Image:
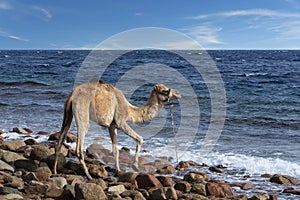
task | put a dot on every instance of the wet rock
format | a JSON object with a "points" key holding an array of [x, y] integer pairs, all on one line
{"points": [[215, 169], [126, 149], [71, 138], [199, 188], [192, 197], [89, 191], [219, 189], [14, 145], [182, 165], [9, 156], [260, 197], [6, 167], [21, 130], [166, 181], [167, 170], [266, 175], [98, 171], [148, 181], [291, 191], [196, 177], [116, 189], [54, 136], [43, 173], [243, 186], [135, 195], [28, 165], [183, 186], [43, 133], [283, 179], [39, 152]]}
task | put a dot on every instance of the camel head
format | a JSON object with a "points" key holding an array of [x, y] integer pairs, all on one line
{"points": [[165, 94]]}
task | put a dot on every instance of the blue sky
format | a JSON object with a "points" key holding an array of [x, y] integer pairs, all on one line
{"points": [[77, 24]]}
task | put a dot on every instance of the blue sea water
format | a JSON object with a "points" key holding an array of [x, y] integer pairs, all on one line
{"points": [[261, 133]]}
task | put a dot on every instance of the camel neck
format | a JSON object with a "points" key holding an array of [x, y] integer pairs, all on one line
{"points": [[147, 112]]}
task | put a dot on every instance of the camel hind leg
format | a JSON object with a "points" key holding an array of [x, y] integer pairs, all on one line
{"points": [[82, 123], [113, 135]]}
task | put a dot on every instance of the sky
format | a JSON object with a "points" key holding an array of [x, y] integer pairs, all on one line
{"points": [[77, 24]]}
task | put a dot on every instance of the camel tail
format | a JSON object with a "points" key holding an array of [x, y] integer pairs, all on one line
{"points": [[66, 124]]}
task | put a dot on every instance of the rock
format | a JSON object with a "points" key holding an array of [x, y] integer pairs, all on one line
{"points": [[21, 130], [128, 177], [54, 192], [9, 190], [25, 150], [239, 197], [243, 186], [167, 170], [75, 167], [192, 197], [283, 179], [28, 165], [260, 197], [55, 136], [71, 138], [215, 169], [11, 181], [126, 149], [219, 189], [43, 173], [12, 197], [291, 191], [272, 197], [6, 167], [182, 165], [40, 152], [196, 177], [183, 186], [60, 182], [166, 181], [116, 189], [61, 161], [148, 181], [199, 188], [266, 175], [164, 193], [98, 171], [36, 187], [89, 191], [73, 179], [97, 151], [135, 195], [43, 133], [29, 176], [14, 145], [9, 156]]}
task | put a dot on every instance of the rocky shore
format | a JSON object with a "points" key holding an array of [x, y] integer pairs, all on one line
{"points": [[26, 173]]}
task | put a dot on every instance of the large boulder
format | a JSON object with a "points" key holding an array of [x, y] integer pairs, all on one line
{"points": [[148, 181], [9, 156], [196, 177], [89, 191], [219, 189], [6, 167], [39, 152], [283, 179], [14, 145]]}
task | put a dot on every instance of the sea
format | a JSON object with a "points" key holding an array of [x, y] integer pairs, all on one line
{"points": [[261, 128]]}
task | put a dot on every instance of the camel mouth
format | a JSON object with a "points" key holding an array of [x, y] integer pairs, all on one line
{"points": [[174, 94]]}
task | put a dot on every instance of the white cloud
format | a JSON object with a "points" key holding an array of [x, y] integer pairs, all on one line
{"points": [[11, 36], [5, 6], [45, 12], [204, 34]]}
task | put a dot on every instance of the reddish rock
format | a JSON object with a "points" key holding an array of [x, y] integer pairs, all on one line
{"points": [[166, 181], [183, 186], [71, 138], [55, 136], [98, 171], [272, 197], [43, 133], [43, 173], [182, 165], [219, 189], [89, 191], [148, 181], [167, 170], [291, 191], [128, 177], [21, 130], [30, 141], [40, 152], [14, 145]]}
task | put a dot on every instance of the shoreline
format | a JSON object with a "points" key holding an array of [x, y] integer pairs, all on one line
{"points": [[26, 165]]}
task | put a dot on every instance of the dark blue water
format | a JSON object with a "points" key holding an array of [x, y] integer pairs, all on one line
{"points": [[262, 127]]}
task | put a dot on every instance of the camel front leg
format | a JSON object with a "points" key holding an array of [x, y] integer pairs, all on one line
{"points": [[113, 136], [138, 139]]}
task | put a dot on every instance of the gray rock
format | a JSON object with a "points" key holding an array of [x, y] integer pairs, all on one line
{"points": [[9, 190], [14, 145], [60, 182], [6, 167], [164, 193], [9, 156]]}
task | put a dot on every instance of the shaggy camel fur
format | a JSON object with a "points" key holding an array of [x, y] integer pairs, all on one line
{"points": [[108, 107]]}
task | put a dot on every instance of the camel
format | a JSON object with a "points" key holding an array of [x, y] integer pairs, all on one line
{"points": [[108, 107]]}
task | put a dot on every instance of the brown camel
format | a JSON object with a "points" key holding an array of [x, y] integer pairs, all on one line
{"points": [[108, 107]]}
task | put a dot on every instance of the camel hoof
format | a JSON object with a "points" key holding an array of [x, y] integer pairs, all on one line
{"points": [[135, 167]]}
